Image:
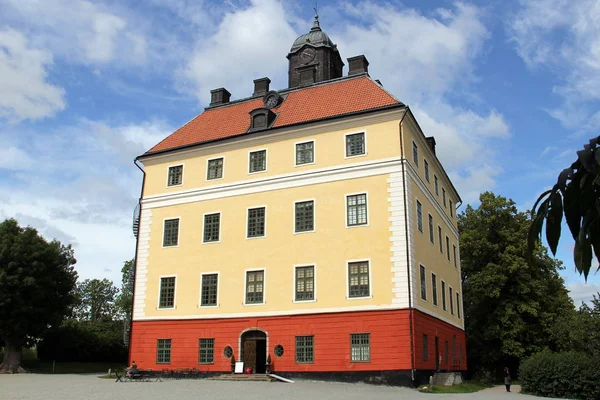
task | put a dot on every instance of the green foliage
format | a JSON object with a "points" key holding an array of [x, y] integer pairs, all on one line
{"points": [[95, 300], [512, 302], [576, 194], [37, 281], [579, 330], [124, 301], [85, 342], [569, 375]]}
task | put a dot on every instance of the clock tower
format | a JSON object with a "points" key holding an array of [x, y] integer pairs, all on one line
{"points": [[313, 58]]}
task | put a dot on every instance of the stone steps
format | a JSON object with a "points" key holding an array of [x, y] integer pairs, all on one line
{"points": [[242, 377]]}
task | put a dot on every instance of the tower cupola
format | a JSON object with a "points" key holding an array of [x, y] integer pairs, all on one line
{"points": [[313, 58]]}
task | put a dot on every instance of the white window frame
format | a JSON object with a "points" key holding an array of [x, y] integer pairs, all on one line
{"points": [[220, 225], [425, 280], [223, 175], [432, 233], [218, 289], [346, 156], [415, 146], [434, 295], [346, 210], [417, 202], [247, 214], [426, 170], [444, 289], [314, 216], [266, 161], [264, 286], [370, 296], [158, 307], [314, 265], [182, 165], [314, 142], [162, 242]]}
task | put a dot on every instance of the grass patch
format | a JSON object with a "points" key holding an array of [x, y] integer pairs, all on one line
{"points": [[43, 367], [465, 387]]}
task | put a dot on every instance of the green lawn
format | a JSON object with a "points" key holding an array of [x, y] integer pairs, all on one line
{"points": [[466, 387], [40, 367]]}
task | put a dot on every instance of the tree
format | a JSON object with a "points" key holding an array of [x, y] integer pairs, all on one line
{"points": [[37, 282], [124, 302], [576, 194], [579, 330], [511, 301], [96, 300]]}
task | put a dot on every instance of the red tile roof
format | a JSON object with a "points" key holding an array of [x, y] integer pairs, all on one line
{"points": [[336, 98]]}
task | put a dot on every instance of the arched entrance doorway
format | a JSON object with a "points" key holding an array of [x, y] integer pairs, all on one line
{"points": [[254, 351]]}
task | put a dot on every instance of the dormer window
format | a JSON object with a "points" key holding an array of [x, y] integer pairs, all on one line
{"points": [[261, 118]]}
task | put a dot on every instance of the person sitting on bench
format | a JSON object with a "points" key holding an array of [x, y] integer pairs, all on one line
{"points": [[133, 370]]}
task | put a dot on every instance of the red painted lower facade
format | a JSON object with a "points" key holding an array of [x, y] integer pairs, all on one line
{"points": [[390, 341]]}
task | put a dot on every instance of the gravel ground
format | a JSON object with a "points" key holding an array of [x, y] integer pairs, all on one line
{"points": [[89, 387]]}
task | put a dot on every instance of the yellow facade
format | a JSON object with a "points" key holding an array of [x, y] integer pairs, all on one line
{"points": [[327, 181]]}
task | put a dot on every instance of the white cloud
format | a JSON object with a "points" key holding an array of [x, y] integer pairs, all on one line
{"points": [[86, 190], [25, 92], [583, 292], [78, 30], [564, 36], [248, 44]]}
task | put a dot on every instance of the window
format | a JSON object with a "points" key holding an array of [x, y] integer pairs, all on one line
{"points": [[206, 352], [451, 210], [448, 248], [305, 349], [305, 214], [440, 239], [431, 229], [305, 283], [228, 352], [167, 292], [209, 290], [425, 350], [444, 197], [355, 144], [454, 253], [305, 153], [446, 351], [458, 304], [171, 232], [215, 169], [254, 287], [415, 154], [258, 161], [454, 349], [256, 222], [434, 289], [360, 347], [426, 166], [419, 216], [278, 350], [358, 279], [211, 227], [451, 301], [423, 283], [356, 207], [175, 176], [437, 185], [444, 295], [163, 351]]}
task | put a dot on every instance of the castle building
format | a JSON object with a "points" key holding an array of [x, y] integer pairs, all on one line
{"points": [[313, 225]]}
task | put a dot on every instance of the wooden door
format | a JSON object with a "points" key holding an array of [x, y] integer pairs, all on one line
{"points": [[249, 354]]}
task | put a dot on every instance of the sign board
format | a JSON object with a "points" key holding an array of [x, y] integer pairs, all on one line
{"points": [[239, 367]]}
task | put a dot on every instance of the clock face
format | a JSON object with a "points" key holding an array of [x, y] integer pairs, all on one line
{"points": [[307, 55], [272, 100]]}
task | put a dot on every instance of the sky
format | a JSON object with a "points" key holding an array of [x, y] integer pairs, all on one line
{"points": [[510, 90]]}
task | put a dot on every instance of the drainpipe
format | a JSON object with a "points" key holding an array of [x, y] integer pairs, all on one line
{"points": [[137, 242], [410, 308]]}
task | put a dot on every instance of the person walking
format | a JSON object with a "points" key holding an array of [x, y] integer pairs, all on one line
{"points": [[507, 380]]}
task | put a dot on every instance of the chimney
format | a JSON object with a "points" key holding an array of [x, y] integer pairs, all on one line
{"points": [[261, 86], [219, 96], [431, 142], [358, 65]]}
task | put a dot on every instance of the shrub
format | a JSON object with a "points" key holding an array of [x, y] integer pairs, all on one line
{"points": [[566, 375]]}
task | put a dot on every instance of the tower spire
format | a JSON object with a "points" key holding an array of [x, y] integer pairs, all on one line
{"points": [[316, 26]]}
